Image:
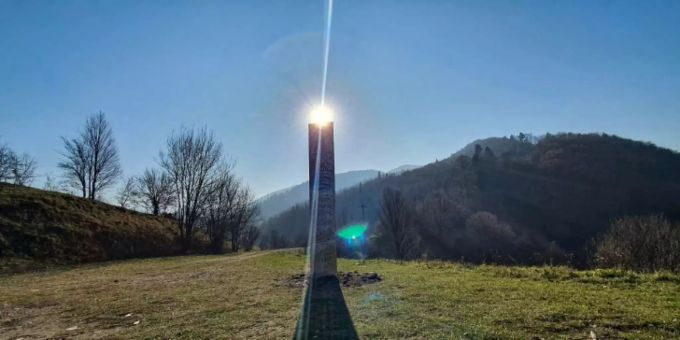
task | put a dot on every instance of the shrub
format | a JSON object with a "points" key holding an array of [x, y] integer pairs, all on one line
{"points": [[647, 243]]}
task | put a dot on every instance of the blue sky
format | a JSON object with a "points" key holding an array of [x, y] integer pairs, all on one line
{"points": [[411, 81]]}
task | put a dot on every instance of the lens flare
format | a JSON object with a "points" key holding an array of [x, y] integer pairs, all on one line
{"points": [[352, 232], [321, 115], [326, 51]]}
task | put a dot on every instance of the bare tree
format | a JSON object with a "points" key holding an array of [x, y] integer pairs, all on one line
{"points": [[17, 169], [6, 156], [49, 184], [274, 240], [155, 190], [104, 168], [91, 161], [230, 209], [191, 160], [75, 164], [250, 235], [23, 169], [492, 239], [127, 193], [395, 221], [220, 207], [243, 215]]}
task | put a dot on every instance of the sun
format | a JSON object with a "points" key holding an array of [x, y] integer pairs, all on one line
{"points": [[321, 115]]}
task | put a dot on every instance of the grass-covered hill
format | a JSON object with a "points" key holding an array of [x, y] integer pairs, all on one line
{"points": [[41, 227], [251, 296], [518, 201]]}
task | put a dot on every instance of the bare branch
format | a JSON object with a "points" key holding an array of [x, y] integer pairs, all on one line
{"points": [[91, 161], [192, 162]]}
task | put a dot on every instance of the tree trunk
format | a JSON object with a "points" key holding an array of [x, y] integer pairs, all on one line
{"points": [[187, 238], [217, 244]]}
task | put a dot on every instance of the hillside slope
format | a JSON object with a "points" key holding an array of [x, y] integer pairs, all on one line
{"points": [[51, 227], [523, 202], [251, 296]]}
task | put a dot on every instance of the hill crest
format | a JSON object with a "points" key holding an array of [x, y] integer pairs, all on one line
{"points": [[38, 226]]}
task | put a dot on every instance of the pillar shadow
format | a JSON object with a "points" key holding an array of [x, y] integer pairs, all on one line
{"points": [[324, 313]]}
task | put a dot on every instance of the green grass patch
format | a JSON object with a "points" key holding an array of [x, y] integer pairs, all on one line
{"points": [[247, 296]]}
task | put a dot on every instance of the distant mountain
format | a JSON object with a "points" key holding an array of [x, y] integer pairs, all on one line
{"points": [[284, 199], [523, 200], [281, 200]]}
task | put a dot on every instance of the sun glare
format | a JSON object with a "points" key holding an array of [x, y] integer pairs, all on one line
{"points": [[321, 115]]}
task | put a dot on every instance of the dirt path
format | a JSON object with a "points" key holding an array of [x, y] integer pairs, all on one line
{"points": [[244, 256]]}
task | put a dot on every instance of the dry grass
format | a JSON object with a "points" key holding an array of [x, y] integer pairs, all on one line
{"points": [[246, 296], [187, 297], [39, 227]]}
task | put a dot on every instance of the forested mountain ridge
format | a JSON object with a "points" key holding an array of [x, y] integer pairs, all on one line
{"points": [[501, 146], [520, 203]]}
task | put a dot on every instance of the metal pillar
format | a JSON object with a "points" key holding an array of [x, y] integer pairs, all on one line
{"points": [[324, 257]]}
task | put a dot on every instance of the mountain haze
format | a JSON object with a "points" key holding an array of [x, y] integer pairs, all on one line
{"points": [[281, 200]]}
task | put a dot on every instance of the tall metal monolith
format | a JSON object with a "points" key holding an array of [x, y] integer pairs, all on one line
{"points": [[321, 154]]}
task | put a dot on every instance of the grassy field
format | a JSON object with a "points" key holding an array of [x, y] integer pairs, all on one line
{"points": [[248, 295]]}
